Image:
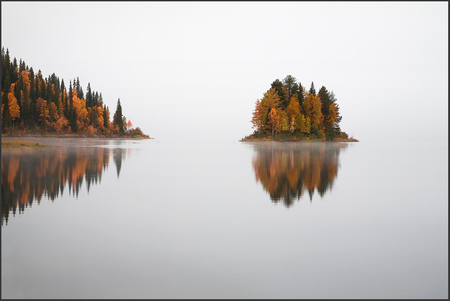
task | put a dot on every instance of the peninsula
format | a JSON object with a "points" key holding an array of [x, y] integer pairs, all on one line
{"points": [[36, 106]]}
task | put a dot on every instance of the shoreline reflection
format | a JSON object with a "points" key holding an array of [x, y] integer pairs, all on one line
{"points": [[287, 169], [29, 174]]}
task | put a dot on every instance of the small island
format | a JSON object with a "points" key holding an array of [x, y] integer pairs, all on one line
{"points": [[287, 112], [36, 106]]}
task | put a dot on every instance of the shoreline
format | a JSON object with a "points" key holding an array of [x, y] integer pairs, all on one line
{"points": [[73, 136], [275, 139]]}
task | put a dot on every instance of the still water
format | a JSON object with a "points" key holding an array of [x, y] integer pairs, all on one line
{"points": [[94, 218]]}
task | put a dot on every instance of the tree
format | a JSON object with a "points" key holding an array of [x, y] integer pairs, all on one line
{"points": [[118, 118], [6, 117], [43, 112], [53, 114], [129, 125], [100, 121], [280, 88], [14, 110], [106, 117], [327, 100], [292, 111], [301, 94], [303, 124], [79, 108], [89, 96], [313, 110], [312, 90], [258, 116], [273, 120], [291, 85]]}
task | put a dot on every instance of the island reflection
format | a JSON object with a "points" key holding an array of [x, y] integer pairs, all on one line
{"points": [[29, 174], [287, 169]]}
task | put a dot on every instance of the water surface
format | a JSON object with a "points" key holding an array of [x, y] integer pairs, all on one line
{"points": [[96, 218]]}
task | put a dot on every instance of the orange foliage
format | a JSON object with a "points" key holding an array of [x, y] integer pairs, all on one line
{"points": [[14, 110], [258, 115], [129, 125]]}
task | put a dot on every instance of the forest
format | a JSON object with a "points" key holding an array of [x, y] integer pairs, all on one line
{"points": [[288, 112], [33, 104]]}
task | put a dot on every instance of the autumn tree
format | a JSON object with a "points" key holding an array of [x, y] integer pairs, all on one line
{"points": [[14, 110], [293, 110], [53, 114], [271, 100], [273, 120], [129, 125], [313, 110], [43, 112], [258, 116], [35, 102], [99, 122]]}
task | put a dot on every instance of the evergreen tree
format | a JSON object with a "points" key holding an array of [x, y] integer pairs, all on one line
{"points": [[6, 118], [300, 95], [291, 85], [14, 74], [6, 84], [278, 86], [325, 99], [118, 118], [80, 94], [89, 96], [312, 90], [105, 116]]}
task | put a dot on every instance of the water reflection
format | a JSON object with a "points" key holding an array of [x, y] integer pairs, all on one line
{"points": [[29, 174], [286, 170]]}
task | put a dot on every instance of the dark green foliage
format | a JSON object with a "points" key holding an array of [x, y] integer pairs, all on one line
{"points": [[325, 99], [316, 133], [60, 115], [300, 95], [284, 101], [312, 90], [6, 84], [105, 116], [6, 119], [294, 126], [89, 97], [291, 85], [118, 117]]}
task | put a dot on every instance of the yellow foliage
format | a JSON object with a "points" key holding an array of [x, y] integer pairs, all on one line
{"points": [[313, 109], [14, 110]]}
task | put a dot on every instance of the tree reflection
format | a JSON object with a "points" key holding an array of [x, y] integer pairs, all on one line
{"points": [[286, 170], [30, 174]]}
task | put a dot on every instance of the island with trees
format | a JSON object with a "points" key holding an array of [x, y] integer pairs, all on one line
{"points": [[38, 106], [287, 112]]}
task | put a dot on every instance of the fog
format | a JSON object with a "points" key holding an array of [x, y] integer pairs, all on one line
{"points": [[194, 70]]}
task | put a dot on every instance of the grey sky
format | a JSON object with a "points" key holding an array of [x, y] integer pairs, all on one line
{"points": [[194, 68]]}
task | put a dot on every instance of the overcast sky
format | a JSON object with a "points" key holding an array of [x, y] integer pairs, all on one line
{"points": [[196, 68]]}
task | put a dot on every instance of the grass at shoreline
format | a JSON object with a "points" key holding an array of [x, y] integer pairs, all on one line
{"points": [[9, 135], [21, 143], [293, 138]]}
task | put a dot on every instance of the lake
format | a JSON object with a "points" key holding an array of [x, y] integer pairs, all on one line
{"points": [[110, 218]]}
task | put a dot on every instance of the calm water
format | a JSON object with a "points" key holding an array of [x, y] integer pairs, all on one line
{"points": [[160, 219]]}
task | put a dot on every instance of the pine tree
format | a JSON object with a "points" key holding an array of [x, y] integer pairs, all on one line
{"points": [[118, 118], [278, 86], [312, 90]]}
